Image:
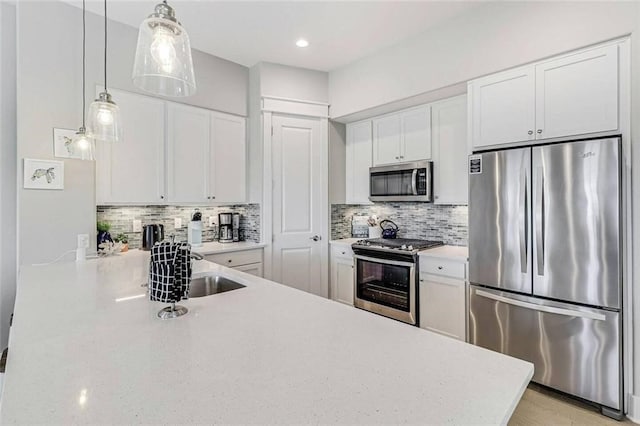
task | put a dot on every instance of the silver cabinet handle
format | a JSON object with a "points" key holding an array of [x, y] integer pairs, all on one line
{"points": [[539, 131], [530, 132], [524, 223], [162, 197], [540, 219], [541, 308], [397, 158], [316, 238], [440, 268]]}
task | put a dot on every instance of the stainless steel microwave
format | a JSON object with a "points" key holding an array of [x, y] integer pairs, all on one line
{"points": [[401, 182]]}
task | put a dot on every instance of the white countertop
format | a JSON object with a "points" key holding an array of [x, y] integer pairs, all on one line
{"points": [[215, 247], [449, 252], [262, 354]]}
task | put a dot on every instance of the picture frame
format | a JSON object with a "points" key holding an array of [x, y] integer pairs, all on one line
{"points": [[62, 143], [43, 174]]}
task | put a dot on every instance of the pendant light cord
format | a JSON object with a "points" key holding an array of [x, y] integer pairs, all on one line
{"points": [[84, 42], [105, 46]]}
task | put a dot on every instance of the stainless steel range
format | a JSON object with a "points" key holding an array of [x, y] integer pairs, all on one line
{"points": [[386, 276]]}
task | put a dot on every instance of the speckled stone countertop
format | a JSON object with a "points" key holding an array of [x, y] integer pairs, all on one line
{"points": [[81, 351]]}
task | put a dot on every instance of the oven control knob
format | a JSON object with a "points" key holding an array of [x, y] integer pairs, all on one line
{"points": [[410, 248], [403, 247]]}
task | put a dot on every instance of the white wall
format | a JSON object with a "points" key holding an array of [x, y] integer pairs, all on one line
{"points": [[489, 38], [49, 95], [7, 167], [294, 83]]}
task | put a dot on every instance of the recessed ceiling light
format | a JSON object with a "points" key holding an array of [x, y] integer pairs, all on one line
{"points": [[302, 43]]}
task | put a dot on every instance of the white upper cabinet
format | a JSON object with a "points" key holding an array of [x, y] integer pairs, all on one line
{"points": [[573, 94], [416, 134], [358, 160], [449, 129], [188, 145], [386, 140], [205, 155], [227, 178], [577, 94], [132, 171], [403, 136], [503, 107]]}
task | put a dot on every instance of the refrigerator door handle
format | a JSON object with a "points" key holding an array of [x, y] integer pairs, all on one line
{"points": [[524, 231], [540, 220], [542, 308]]}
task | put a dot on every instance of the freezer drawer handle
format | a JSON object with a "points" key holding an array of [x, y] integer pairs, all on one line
{"points": [[542, 308]]}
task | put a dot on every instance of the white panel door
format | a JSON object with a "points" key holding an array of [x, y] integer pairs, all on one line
{"points": [[386, 139], [358, 160], [449, 128], [297, 203], [503, 107], [132, 171], [187, 153], [577, 94], [416, 134], [228, 170]]}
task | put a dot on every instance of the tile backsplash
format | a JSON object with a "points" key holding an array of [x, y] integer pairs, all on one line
{"points": [[121, 220], [415, 220]]}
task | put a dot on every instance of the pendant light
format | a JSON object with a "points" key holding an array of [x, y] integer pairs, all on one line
{"points": [[82, 142], [104, 115], [163, 63]]}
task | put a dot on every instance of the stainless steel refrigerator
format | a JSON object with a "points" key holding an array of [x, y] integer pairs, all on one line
{"points": [[545, 263]]}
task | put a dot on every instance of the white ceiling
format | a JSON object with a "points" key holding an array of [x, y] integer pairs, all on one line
{"points": [[248, 32]]}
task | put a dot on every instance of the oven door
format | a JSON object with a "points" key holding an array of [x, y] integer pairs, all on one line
{"points": [[386, 287]]}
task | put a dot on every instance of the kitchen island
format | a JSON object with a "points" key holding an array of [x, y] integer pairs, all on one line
{"points": [[85, 349]]}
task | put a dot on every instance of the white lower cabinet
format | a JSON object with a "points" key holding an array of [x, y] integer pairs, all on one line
{"points": [[443, 290], [342, 280], [249, 261]]}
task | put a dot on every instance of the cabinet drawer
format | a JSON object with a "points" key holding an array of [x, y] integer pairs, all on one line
{"points": [[444, 267], [341, 250], [236, 258]]}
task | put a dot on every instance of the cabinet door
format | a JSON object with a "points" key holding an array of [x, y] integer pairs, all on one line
{"points": [[416, 134], [386, 139], [187, 153], [342, 280], [503, 107], [358, 160], [443, 306], [577, 94], [132, 171], [449, 128], [228, 172], [253, 269]]}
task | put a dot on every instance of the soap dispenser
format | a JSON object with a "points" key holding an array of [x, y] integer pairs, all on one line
{"points": [[194, 229]]}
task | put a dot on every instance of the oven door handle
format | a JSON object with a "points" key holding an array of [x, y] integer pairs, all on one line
{"points": [[385, 261]]}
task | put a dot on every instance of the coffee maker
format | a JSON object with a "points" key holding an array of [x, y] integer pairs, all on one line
{"points": [[225, 229]]}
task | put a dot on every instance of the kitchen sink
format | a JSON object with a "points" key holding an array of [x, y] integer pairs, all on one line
{"points": [[206, 286]]}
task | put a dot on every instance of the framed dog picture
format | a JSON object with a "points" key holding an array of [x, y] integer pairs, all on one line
{"points": [[43, 174]]}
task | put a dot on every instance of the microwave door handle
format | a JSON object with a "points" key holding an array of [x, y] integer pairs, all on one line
{"points": [[414, 183]]}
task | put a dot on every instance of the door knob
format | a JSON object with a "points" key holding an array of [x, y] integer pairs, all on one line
{"points": [[316, 238]]}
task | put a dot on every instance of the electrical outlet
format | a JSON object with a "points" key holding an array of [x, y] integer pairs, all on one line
{"points": [[212, 221], [177, 222], [83, 240], [137, 225]]}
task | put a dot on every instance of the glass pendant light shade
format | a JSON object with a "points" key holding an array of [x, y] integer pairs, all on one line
{"points": [[104, 121], [163, 63], [84, 145]]}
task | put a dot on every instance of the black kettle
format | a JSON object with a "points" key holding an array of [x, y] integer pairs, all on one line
{"points": [[389, 229], [152, 234]]}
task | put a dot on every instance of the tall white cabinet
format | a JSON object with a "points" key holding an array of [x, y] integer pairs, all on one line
{"points": [[133, 170], [358, 160], [172, 153]]}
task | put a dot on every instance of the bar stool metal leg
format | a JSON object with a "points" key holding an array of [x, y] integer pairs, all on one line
{"points": [[173, 311]]}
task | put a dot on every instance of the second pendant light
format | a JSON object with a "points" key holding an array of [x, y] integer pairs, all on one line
{"points": [[104, 122]]}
